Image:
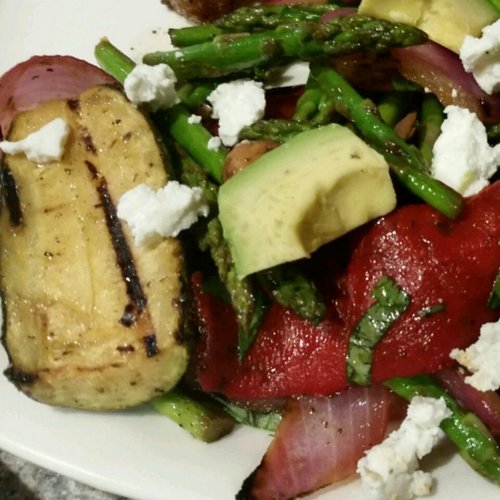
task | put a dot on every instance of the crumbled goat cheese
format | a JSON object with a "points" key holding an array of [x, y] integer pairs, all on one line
{"points": [[153, 86], [165, 212], [194, 119], [482, 359], [237, 104], [44, 145], [462, 157], [214, 143], [389, 469], [481, 57]]}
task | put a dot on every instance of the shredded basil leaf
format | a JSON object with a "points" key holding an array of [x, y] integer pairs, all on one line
{"points": [[391, 302], [430, 310], [494, 300], [247, 337], [268, 421]]}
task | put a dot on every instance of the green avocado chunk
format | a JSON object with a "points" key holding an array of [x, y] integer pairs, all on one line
{"points": [[446, 22], [314, 188]]}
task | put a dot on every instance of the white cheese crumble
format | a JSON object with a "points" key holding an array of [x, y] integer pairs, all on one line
{"points": [[214, 143], [481, 57], [482, 359], [389, 469], [237, 104], [194, 119], [44, 145], [165, 212], [462, 157], [153, 86]]}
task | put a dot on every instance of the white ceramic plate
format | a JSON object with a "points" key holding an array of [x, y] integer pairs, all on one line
{"points": [[137, 453]]}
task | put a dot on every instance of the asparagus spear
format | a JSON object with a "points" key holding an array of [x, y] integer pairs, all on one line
{"points": [[201, 417], [431, 118], [248, 19], [308, 103], [404, 159], [314, 106], [304, 40], [193, 95], [473, 440], [112, 60], [277, 130], [393, 106], [194, 138]]}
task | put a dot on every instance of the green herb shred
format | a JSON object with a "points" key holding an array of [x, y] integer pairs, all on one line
{"points": [[391, 302], [494, 300]]}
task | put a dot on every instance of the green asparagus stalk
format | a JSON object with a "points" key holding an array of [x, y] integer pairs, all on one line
{"points": [[247, 300], [474, 442], [404, 159], [314, 106], [431, 119], [277, 130], [194, 138], [201, 417], [248, 19], [305, 40], [112, 60], [292, 289], [308, 103], [393, 106], [193, 95]]}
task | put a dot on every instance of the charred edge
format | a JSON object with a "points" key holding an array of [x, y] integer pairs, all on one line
{"points": [[10, 195], [74, 105], [125, 348], [150, 345], [245, 492], [18, 377], [124, 256], [89, 143]]}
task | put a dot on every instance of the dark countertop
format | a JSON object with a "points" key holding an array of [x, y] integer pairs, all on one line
{"points": [[21, 480]]}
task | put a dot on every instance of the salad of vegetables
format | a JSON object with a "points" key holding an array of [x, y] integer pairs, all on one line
{"points": [[319, 260]]}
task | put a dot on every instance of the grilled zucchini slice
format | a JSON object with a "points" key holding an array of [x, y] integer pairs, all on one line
{"points": [[90, 320]]}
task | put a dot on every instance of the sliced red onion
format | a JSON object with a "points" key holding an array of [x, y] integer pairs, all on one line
{"points": [[486, 405], [440, 70], [342, 11], [320, 441], [43, 78]]}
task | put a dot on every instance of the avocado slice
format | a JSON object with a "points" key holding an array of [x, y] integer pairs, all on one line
{"points": [[314, 188], [447, 22], [90, 320]]}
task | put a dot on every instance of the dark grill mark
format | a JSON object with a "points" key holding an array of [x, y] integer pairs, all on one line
{"points": [[18, 377], [128, 317], [124, 258], [125, 348], [74, 105], [89, 143], [10, 195], [150, 345]]}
